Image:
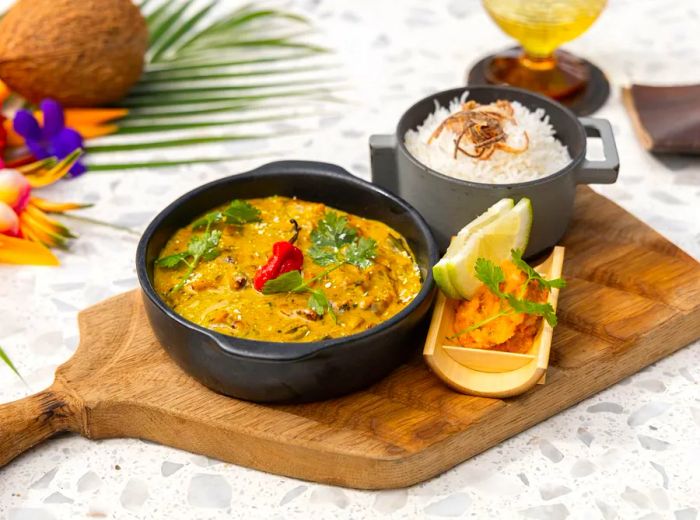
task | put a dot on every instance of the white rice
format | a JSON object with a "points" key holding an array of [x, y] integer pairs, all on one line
{"points": [[545, 154]]}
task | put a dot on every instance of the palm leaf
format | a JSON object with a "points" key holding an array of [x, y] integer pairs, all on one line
{"points": [[165, 69], [203, 63], [175, 143], [6, 359], [169, 127], [169, 164], [154, 83]]}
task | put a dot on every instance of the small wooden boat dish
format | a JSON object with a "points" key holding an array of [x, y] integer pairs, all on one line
{"points": [[490, 373]]}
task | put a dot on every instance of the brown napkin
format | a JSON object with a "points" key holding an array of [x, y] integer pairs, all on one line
{"points": [[667, 119]]}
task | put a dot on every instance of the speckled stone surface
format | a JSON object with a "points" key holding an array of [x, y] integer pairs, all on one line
{"points": [[632, 451]]}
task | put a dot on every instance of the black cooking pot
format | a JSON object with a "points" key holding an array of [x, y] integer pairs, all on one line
{"points": [[448, 203], [268, 371]]}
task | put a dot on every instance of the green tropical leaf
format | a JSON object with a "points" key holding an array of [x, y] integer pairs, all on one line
{"points": [[6, 359], [193, 48], [154, 83], [181, 31], [110, 167], [165, 68], [174, 143], [169, 127], [159, 27], [172, 94], [146, 113]]}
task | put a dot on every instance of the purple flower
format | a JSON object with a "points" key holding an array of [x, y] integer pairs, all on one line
{"points": [[51, 140]]}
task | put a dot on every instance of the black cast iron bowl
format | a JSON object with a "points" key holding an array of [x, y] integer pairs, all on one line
{"points": [[448, 203], [289, 372]]}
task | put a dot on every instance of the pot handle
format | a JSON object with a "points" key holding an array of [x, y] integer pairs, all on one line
{"points": [[382, 150], [605, 171]]}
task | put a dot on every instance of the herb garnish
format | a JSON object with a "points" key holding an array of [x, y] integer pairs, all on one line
{"points": [[335, 243], [205, 246], [238, 212], [491, 275], [293, 282]]}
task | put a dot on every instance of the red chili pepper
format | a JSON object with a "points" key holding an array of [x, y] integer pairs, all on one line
{"points": [[285, 257]]}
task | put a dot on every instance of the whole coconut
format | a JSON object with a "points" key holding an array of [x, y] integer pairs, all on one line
{"points": [[78, 52]]}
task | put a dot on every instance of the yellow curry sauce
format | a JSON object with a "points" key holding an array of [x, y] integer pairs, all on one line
{"points": [[220, 295]]}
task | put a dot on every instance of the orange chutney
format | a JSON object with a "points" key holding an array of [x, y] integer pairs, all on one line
{"points": [[511, 333]]}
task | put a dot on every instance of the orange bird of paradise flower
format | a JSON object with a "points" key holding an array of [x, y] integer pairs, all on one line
{"points": [[26, 229]]}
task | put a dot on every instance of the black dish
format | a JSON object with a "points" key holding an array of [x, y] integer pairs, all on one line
{"points": [[290, 372]]}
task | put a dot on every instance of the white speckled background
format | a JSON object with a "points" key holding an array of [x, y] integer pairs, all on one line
{"points": [[632, 451]]}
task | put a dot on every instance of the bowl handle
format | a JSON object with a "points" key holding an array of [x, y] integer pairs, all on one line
{"points": [[382, 150], [605, 171]]}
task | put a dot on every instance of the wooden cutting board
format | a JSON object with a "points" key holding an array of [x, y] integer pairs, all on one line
{"points": [[633, 297]]}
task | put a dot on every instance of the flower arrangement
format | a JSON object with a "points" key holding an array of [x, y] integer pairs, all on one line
{"points": [[26, 229], [204, 69]]}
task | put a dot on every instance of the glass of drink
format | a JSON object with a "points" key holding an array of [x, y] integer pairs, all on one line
{"points": [[541, 26]]}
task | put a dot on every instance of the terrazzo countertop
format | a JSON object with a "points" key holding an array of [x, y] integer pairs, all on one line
{"points": [[632, 451]]}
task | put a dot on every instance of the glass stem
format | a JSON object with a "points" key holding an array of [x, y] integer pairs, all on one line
{"points": [[534, 62]]}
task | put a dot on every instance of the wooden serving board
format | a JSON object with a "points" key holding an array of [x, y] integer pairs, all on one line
{"points": [[632, 298]]}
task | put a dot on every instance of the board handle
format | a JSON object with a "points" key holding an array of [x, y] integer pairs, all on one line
{"points": [[33, 419]]}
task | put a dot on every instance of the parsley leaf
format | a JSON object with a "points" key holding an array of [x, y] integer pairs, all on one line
{"points": [[172, 260], [291, 281], [517, 258], [241, 212], [237, 213], [205, 245], [361, 252], [207, 220], [336, 242], [490, 274], [319, 303], [529, 307], [333, 231], [323, 256]]}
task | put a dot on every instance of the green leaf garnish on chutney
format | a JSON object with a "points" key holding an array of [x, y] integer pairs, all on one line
{"points": [[491, 275]]}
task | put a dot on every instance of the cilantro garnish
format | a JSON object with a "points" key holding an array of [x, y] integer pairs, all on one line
{"points": [[333, 231], [335, 243], [517, 258], [290, 281], [205, 246], [238, 212], [293, 282], [491, 275]]}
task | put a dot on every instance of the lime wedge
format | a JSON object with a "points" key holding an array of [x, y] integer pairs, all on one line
{"points": [[440, 270], [492, 235]]}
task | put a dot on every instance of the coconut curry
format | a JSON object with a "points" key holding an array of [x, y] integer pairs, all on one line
{"points": [[282, 269]]}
